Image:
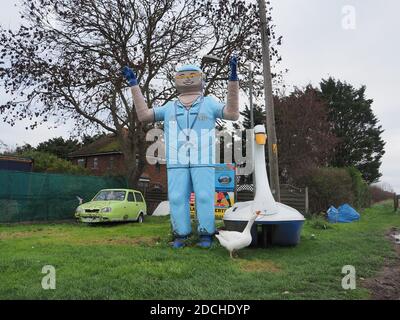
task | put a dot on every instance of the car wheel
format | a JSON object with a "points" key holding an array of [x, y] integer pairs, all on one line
{"points": [[140, 219]]}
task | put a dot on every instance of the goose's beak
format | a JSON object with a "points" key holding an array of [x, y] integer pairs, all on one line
{"points": [[261, 138]]}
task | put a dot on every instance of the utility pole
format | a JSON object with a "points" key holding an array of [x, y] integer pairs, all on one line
{"points": [[251, 97], [252, 117], [269, 105]]}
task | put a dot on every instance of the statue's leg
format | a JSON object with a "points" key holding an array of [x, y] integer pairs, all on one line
{"points": [[179, 189], [203, 179]]}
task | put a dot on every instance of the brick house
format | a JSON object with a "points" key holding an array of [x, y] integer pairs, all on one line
{"points": [[104, 157]]}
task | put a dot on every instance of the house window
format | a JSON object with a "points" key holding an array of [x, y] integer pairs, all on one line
{"points": [[111, 163], [95, 163], [82, 162]]}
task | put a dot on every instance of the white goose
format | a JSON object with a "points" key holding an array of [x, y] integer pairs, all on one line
{"points": [[234, 240]]}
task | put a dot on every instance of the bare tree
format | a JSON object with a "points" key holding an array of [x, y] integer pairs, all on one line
{"points": [[303, 130], [3, 145], [304, 134], [65, 61]]}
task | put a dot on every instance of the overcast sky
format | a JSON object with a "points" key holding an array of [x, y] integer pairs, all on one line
{"points": [[354, 40]]}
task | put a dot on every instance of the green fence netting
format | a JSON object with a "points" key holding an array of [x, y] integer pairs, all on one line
{"points": [[26, 196]]}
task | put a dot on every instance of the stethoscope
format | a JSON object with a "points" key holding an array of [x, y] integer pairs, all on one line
{"points": [[188, 110]]}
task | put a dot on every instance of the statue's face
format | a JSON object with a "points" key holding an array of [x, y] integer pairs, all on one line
{"points": [[188, 81]]}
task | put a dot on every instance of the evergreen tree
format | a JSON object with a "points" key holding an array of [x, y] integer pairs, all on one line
{"points": [[259, 116], [355, 125], [59, 147]]}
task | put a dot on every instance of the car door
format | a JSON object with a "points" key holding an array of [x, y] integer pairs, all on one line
{"points": [[132, 206], [140, 202]]}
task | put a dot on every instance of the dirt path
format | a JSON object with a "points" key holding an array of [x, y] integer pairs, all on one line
{"points": [[386, 285]]}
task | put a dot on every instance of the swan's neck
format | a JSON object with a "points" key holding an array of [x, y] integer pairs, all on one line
{"points": [[249, 225], [263, 191]]}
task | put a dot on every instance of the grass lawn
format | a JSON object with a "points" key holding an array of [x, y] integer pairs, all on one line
{"points": [[134, 261]]}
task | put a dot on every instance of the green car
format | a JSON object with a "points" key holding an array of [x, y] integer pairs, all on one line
{"points": [[111, 205]]}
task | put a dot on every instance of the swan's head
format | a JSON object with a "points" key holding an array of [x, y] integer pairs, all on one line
{"points": [[260, 135], [256, 214]]}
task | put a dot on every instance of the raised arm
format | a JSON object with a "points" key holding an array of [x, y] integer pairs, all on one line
{"points": [[144, 113], [231, 110]]}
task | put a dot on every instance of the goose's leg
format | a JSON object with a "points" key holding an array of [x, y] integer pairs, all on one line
{"points": [[230, 253]]}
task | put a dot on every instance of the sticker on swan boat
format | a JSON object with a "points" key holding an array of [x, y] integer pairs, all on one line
{"points": [[223, 200], [224, 190], [225, 177]]}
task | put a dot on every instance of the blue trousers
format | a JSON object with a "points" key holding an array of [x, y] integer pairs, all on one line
{"points": [[181, 183]]}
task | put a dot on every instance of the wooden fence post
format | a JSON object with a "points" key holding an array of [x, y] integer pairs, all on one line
{"points": [[306, 201]]}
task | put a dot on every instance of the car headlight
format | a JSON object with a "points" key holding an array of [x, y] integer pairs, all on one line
{"points": [[105, 210], [79, 210]]}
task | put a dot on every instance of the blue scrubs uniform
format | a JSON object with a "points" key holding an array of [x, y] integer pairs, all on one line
{"points": [[189, 135]]}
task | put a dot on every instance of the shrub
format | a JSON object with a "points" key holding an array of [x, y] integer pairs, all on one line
{"points": [[328, 186], [361, 192], [378, 194], [336, 186], [47, 162], [319, 222]]}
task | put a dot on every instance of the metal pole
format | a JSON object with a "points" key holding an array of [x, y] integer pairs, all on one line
{"points": [[307, 205], [251, 97], [252, 118], [269, 105]]}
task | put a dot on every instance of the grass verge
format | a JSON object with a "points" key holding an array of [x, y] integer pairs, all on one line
{"points": [[134, 261]]}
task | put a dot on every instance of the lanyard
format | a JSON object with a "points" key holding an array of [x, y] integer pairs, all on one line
{"points": [[188, 110]]}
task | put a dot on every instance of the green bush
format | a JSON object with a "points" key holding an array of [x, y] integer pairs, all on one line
{"points": [[336, 186], [319, 222], [361, 190], [47, 162], [328, 186]]}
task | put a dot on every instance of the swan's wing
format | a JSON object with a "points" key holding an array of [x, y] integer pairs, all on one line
{"points": [[223, 242], [230, 235], [243, 242], [235, 240]]}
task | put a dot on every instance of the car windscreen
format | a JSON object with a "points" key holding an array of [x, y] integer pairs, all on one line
{"points": [[110, 196]]}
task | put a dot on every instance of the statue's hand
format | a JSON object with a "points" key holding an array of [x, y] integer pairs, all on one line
{"points": [[233, 68], [130, 76]]}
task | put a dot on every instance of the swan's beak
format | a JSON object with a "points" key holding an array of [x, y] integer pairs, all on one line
{"points": [[261, 138]]}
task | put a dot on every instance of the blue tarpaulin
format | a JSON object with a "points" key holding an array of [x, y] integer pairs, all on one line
{"points": [[345, 213]]}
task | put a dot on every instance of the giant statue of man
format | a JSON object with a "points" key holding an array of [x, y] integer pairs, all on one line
{"points": [[189, 133]]}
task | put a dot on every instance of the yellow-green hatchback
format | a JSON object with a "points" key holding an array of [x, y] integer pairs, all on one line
{"points": [[113, 205]]}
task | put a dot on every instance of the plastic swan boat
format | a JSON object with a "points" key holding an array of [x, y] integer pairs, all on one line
{"points": [[234, 240], [284, 223]]}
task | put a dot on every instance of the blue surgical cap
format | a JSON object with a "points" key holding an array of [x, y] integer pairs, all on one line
{"points": [[189, 67]]}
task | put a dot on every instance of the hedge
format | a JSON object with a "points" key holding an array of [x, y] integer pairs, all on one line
{"points": [[336, 186]]}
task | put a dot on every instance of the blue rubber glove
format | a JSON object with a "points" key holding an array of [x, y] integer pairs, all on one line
{"points": [[233, 68], [130, 76]]}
